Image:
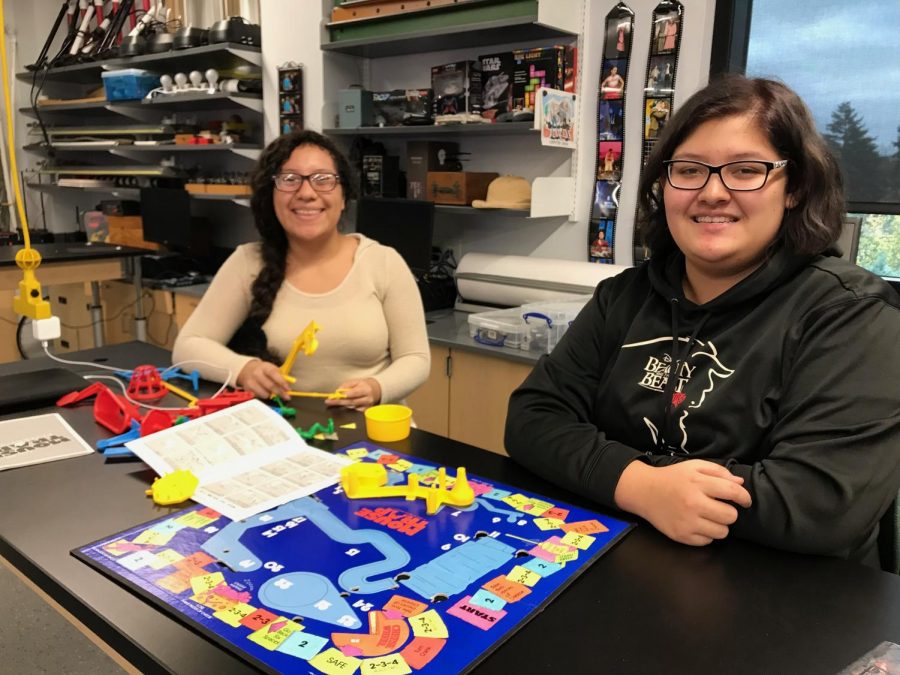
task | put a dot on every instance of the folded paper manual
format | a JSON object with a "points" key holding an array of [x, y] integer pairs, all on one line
{"points": [[247, 458]]}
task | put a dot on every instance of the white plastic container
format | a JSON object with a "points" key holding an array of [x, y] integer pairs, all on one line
{"points": [[536, 326]]}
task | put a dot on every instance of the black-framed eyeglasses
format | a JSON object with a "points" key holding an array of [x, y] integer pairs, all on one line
{"points": [[291, 182], [743, 175]]}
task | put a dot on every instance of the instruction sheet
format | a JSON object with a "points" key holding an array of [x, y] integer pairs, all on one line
{"points": [[247, 458]]}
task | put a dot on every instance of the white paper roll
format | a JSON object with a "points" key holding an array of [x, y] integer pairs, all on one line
{"points": [[514, 280]]}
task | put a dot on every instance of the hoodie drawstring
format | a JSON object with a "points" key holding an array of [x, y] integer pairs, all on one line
{"points": [[678, 357]]}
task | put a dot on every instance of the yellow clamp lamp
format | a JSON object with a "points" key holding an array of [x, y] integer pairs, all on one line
{"points": [[30, 300]]}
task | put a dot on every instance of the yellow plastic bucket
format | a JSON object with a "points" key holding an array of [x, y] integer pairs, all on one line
{"points": [[389, 422]]}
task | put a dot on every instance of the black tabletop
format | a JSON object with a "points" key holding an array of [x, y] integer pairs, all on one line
{"points": [[71, 252], [648, 606]]}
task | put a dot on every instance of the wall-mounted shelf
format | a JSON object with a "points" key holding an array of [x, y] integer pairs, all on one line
{"points": [[95, 107], [446, 209], [501, 129], [120, 192], [160, 171], [551, 197], [131, 193], [223, 55], [240, 200], [202, 101], [246, 150], [454, 28]]}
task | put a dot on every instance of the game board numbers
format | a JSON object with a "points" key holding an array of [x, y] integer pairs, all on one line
{"points": [[281, 527], [274, 566], [378, 666]]}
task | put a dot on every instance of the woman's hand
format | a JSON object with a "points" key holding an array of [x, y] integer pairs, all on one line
{"points": [[263, 379], [357, 394], [691, 502]]}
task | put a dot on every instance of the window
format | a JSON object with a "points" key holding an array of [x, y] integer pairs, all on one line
{"points": [[842, 58], [878, 249]]}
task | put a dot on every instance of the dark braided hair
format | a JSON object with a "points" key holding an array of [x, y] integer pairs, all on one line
{"points": [[249, 338]]}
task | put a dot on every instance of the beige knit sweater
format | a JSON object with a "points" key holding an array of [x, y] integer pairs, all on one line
{"points": [[373, 324]]}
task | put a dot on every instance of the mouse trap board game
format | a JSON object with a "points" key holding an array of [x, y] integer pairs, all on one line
{"points": [[329, 584]]}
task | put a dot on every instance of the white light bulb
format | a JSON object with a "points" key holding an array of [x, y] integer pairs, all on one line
{"points": [[212, 76]]}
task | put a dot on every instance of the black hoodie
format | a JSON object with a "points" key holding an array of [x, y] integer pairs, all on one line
{"points": [[791, 379]]}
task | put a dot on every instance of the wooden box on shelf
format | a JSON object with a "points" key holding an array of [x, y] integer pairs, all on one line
{"points": [[128, 231], [222, 189], [459, 188]]}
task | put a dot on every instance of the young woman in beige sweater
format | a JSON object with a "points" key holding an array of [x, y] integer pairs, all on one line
{"points": [[372, 341]]}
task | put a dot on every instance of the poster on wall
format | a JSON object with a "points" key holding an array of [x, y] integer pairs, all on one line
{"points": [[659, 89], [290, 97], [614, 74]]}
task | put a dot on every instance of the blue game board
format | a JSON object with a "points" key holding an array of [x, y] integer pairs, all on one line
{"points": [[334, 585]]}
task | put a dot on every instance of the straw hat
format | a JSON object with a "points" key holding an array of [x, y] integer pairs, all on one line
{"points": [[506, 192]]}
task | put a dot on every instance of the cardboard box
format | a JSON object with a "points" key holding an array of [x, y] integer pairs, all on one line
{"points": [[497, 79], [228, 189], [570, 78], [458, 188], [457, 88], [422, 157], [402, 106], [380, 176], [535, 68], [128, 231], [355, 108]]}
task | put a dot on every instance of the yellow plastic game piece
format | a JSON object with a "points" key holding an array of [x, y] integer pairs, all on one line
{"points": [[173, 488], [307, 342], [365, 480], [180, 392], [317, 394]]}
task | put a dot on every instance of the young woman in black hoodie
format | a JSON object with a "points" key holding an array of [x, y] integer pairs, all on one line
{"points": [[745, 380]]}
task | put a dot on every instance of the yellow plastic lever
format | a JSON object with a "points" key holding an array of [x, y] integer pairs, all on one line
{"points": [[365, 480]]}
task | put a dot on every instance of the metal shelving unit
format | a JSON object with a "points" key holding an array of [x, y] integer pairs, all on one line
{"points": [[226, 55], [502, 129], [452, 28]]}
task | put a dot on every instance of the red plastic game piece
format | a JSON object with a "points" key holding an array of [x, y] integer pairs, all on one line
{"points": [[157, 420], [146, 384], [113, 412], [82, 394], [223, 400]]}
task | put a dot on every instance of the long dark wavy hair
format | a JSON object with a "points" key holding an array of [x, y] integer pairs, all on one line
{"points": [[814, 222], [249, 338]]}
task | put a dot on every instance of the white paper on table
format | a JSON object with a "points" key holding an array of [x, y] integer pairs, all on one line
{"points": [[247, 458], [38, 439]]}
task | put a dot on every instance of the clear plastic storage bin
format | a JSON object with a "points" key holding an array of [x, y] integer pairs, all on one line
{"points": [[536, 326], [129, 84]]}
